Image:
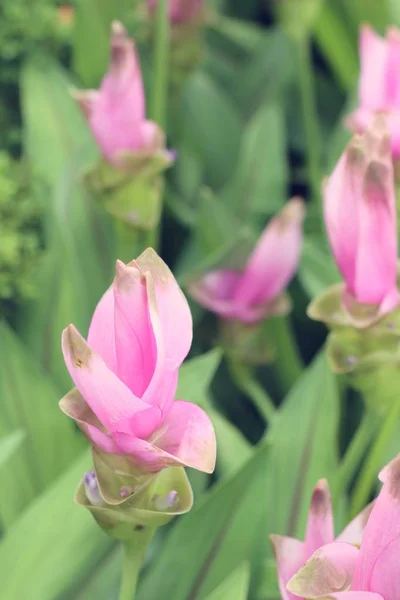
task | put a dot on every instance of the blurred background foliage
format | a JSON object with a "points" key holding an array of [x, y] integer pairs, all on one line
{"points": [[261, 90]]}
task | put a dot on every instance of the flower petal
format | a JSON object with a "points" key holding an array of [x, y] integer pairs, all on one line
{"points": [[289, 557], [354, 596], [320, 519], [354, 532], [215, 290], [373, 55], [275, 258], [101, 337], [173, 309], [329, 570], [107, 396]]}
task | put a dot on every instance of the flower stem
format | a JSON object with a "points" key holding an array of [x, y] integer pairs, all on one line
{"points": [[130, 242], [288, 364], [354, 454], [160, 65], [367, 478], [309, 108], [246, 382], [134, 551]]}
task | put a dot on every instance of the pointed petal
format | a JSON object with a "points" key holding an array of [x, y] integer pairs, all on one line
{"points": [[107, 396], [214, 291], [86, 99], [172, 307], [320, 519], [275, 258], [354, 532], [289, 557], [379, 555], [186, 438], [373, 55], [329, 570], [101, 337]]}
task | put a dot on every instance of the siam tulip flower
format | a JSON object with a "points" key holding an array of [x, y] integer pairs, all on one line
{"points": [[379, 88], [180, 11], [291, 554], [126, 373], [249, 295], [116, 113], [360, 217], [344, 572]]}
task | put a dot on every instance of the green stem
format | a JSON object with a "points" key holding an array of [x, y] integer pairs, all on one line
{"points": [[355, 454], [134, 551], [246, 382], [288, 364], [374, 462], [160, 65], [310, 119]]}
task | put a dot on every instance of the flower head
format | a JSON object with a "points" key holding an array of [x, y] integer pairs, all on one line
{"points": [[291, 554], [116, 113], [126, 373], [379, 88], [360, 217], [247, 296], [342, 571]]}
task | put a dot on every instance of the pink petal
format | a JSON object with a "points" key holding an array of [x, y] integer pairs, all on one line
{"points": [[376, 266], [119, 111], [373, 54], [74, 406], [101, 331], [392, 67], [275, 258], [379, 554], [215, 290], [107, 396], [86, 99], [289, 556], [354, 596], [354, 532], [320, 519], [329, 570], [186, 438], [173, 309], [135, 343]]}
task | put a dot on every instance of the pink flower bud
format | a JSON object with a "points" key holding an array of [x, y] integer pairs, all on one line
{"points": [[180, 11], [116, 112], [246, 296], [126, 373], [379, 87], [360, 217]]}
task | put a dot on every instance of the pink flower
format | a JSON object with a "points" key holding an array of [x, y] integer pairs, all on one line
{"points": [[246, 296], [291, 554], [126, 373], [372, 572], [360, 217], [379, 89], [180, 11], [116, 113]]}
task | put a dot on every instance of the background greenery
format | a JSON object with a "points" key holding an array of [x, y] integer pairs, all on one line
{"points": [[255, 112]]}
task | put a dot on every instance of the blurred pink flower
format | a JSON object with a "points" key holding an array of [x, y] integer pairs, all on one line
{"points": [[126, 374], [343, 571], [360, 217], [379, 88], [116, 112], [291, 554], [246, 296], [180, 11]]}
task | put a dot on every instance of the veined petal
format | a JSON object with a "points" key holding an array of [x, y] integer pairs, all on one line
{"points": [[320, 519], [329, 570], [289, 557], [104, 392]]}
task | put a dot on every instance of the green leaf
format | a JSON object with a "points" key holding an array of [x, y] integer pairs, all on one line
{"points": [[91, 48], [213, 126], [259, 185], [212, 540], [29, 404], [317, 269], [54, 543], [235, 587], [9, 444], [195, 377]]}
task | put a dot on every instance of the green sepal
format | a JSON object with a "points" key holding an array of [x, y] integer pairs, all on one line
{"points": [[251, 344], [132, 190], [138, 511]]}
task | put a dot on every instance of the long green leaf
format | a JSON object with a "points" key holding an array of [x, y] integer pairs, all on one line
{"points": [[236, 587], [8, 445]]}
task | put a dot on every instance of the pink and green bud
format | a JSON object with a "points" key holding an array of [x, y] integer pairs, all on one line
{"points": [[253, 294], [126, 373], [180, 11], [342, 571], [379, 86]]}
